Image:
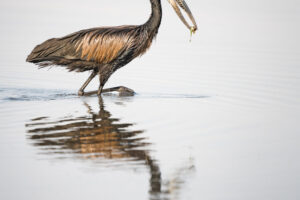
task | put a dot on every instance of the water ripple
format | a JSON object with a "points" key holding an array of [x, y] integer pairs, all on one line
{"points": [[25, 94], [172, 96], [29, 94]]}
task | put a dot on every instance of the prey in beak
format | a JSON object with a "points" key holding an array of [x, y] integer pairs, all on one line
{"points": [[184, 6]]}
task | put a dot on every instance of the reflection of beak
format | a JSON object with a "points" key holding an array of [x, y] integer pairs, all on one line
{"points": [[185, 7]]}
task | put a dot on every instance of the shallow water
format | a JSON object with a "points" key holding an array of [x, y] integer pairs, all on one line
{"points": [[214, 118]]}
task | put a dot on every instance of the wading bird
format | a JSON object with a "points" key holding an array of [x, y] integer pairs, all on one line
{"points": [[103, 50]]}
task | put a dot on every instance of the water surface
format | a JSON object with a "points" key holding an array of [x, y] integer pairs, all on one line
{"points": [[215, 118]]}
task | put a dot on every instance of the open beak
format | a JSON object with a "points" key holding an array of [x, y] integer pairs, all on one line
{"points": [[184, 7]]}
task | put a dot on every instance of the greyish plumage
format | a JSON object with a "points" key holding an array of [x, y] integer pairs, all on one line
{"points": [[101, 50]]}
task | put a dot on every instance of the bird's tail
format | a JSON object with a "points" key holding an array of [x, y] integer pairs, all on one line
{"points": [[46, 51]]}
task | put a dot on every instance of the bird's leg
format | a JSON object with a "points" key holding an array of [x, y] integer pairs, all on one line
{"points": [[123, 91], [102, 81], [81, 90]]}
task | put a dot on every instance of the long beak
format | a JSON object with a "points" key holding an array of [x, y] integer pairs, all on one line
{"points": [[185, 7]]}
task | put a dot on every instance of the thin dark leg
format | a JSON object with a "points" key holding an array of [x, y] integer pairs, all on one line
{"points": [[101, 84], [81, 90]]}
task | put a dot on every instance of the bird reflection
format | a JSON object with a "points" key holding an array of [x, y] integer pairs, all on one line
{"points": [[101, 137]]}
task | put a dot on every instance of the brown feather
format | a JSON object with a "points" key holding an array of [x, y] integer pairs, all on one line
{"points": [[103, 48]]}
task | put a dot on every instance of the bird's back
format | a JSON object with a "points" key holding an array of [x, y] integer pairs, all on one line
{"points": [[87, 49]]}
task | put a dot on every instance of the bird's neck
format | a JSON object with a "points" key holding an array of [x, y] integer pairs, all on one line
{"points": [[153, 22]]}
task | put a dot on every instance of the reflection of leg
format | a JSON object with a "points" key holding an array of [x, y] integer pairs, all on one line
{"points": [[155, 179], [101, 104], [81, 90], [90, 111], [123, 91]]}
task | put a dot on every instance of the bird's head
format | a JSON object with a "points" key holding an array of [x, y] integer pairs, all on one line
{"points": [[182, 4]]}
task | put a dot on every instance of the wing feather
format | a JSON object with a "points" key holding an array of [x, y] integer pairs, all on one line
{"points": [[91, 48], [104, 46]]}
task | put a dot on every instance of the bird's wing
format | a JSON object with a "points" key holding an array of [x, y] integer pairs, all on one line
{"points": [[103, 45]]}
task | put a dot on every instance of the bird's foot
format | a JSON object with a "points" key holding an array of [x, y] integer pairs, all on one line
{"points": [[124, 91], [80, 93]]}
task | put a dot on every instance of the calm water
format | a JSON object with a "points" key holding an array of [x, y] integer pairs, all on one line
{"points": [[214, 118]]}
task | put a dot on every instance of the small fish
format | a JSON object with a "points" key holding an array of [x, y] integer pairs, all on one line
{"points": [[193, 31]]}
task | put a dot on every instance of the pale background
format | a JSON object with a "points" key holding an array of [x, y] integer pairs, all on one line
{"points": [[226, 103]]}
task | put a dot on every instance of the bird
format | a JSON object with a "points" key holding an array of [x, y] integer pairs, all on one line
{"points": [[104, 50]]}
